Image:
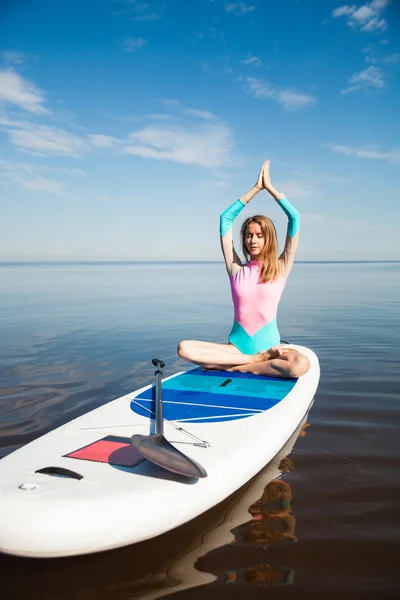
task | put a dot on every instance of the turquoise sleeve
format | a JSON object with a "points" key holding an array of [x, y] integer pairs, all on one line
{"points": [[229, 215], [292, 214]]}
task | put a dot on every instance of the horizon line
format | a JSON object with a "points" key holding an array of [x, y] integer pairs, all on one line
{"points": [[121, 262]]}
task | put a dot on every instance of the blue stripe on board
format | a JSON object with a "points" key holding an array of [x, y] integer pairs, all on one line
{"points": [[238, 409], [244, 388], [235, 375], [219, 400], [188, 412], [144, 400], [217, 419]]}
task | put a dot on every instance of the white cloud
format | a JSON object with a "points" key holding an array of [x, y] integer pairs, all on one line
{"points": [[102, 141], [363, 14], [45, 168], [367, 17], [290, 98], [260, 89], [17, 91], [378, 4], [177, 137], [391, 59], [374, 25], [293, 100], [239, 8], [177, 108], [372, 52], [207, 146], [13, 57], [343, 11], [370, 151], [370, 78], [132, 44], [137, 10], [29, 176], [201, 114], [368, 48], [252, 60], [40, 139]]}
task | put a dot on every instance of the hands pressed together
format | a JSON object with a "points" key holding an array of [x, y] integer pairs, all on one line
{"points": [[263, 183], [264, 178]]}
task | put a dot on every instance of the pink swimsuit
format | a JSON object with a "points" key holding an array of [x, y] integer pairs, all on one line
{"points": [[255, 309]]}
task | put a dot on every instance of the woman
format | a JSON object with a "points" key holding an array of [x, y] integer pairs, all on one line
{"points": [[254, 341]]}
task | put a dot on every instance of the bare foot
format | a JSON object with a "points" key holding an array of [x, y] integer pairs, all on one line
{"points": [[273, 352], [262, 356]]}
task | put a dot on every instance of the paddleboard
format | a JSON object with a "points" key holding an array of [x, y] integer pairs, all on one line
{"points": [[84, 488]]}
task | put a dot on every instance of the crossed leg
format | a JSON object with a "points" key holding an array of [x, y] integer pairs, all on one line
{"points": [[227, 357]]}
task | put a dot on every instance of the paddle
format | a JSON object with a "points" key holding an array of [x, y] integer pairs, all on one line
{"points": [[156, 448]]}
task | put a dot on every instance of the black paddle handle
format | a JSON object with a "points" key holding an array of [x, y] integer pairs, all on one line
{"points": [[159, 408]]}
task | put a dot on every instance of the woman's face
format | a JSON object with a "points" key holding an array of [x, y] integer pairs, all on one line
{"points": [[255, 240]]}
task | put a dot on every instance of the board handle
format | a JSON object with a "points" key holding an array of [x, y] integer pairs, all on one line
{"points": [[61, 472]]}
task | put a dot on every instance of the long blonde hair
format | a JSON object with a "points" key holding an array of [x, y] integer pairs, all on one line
{"points": [[270, 268]]}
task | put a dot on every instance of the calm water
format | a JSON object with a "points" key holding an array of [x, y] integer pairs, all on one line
{"points": [[320, 521]]}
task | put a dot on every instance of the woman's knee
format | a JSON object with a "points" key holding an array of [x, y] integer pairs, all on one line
{"points": [[181, 349], [299, 365], [184, 349]]}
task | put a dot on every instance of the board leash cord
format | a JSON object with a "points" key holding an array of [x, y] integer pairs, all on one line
{"points": [[199, 442]]}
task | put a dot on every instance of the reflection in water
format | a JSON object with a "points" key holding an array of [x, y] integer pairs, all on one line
{"points": [[272, 519], [178, 560], [263, 575], [272, 522]]}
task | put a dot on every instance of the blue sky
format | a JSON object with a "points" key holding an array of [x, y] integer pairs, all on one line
{"points": [[127, 127]]}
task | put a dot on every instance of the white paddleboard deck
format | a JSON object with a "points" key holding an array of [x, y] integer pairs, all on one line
{"points": [[83, 488]]}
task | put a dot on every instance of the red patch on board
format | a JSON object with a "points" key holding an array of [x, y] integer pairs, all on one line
{"points": [[112, 449]]}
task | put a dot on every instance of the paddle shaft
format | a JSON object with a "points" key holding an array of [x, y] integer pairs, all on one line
{"points": [[159, 407]]}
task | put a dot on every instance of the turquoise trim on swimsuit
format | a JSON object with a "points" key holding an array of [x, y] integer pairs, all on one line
{"points": [[229, 215], [292, 214], [264, 339]]}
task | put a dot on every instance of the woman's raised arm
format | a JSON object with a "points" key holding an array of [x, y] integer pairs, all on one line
{"points": [[293, 215], [232, 260]]}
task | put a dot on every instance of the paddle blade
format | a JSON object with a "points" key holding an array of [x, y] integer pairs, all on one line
{"points": [[158, 450]]}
